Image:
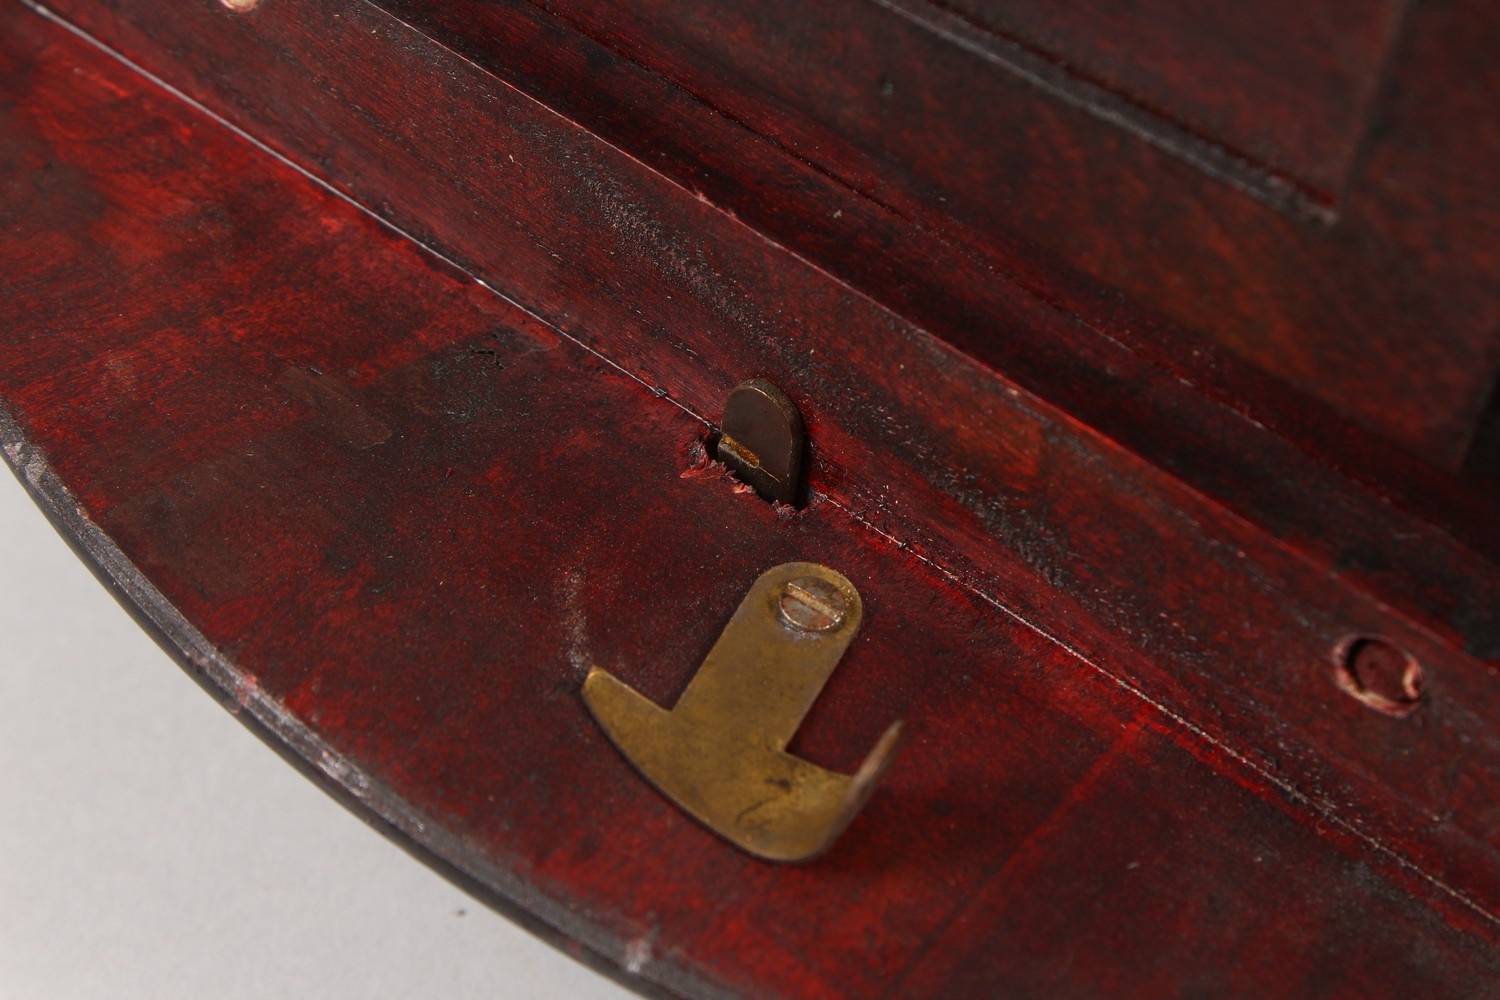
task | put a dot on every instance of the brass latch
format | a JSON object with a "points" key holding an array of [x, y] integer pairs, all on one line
{"points": [[720, 753], [762, 441]]}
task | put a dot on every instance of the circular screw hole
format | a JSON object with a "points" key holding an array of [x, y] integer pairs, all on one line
{"points": [[1380, 674]]}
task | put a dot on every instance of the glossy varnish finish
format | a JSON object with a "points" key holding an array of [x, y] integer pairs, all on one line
{"points": [[528, 199], [1332, 265], [1285, 86], [406, 516]]}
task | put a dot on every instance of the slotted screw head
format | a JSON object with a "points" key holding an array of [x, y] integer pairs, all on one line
{"points": [[811, 604]]}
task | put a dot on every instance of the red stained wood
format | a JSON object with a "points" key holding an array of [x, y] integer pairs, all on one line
{"points": [[933, 449], [1016, 155], [405, 515], [307, 83], [1287, 84]]}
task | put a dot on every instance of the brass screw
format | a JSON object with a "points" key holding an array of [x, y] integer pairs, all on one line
{"points": [[240, 6], [810, 604]]}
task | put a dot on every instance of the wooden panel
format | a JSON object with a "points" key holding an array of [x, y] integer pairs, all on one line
{"points": [[1383, 307], [1284, 83], [997, 488], [1074, 345], [391, 519], [697, 301]]}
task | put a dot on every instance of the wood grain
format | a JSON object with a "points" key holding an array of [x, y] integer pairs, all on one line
{"points": [[1003, 153], [404, 515]]}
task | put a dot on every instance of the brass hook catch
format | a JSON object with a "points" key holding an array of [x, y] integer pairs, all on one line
{"points": [[720, 753]]}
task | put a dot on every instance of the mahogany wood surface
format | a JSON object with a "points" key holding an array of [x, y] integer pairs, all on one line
{"points": [[394, 513], [1286, 84], [1071, 148], [1076, 340], [437, 163]]}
